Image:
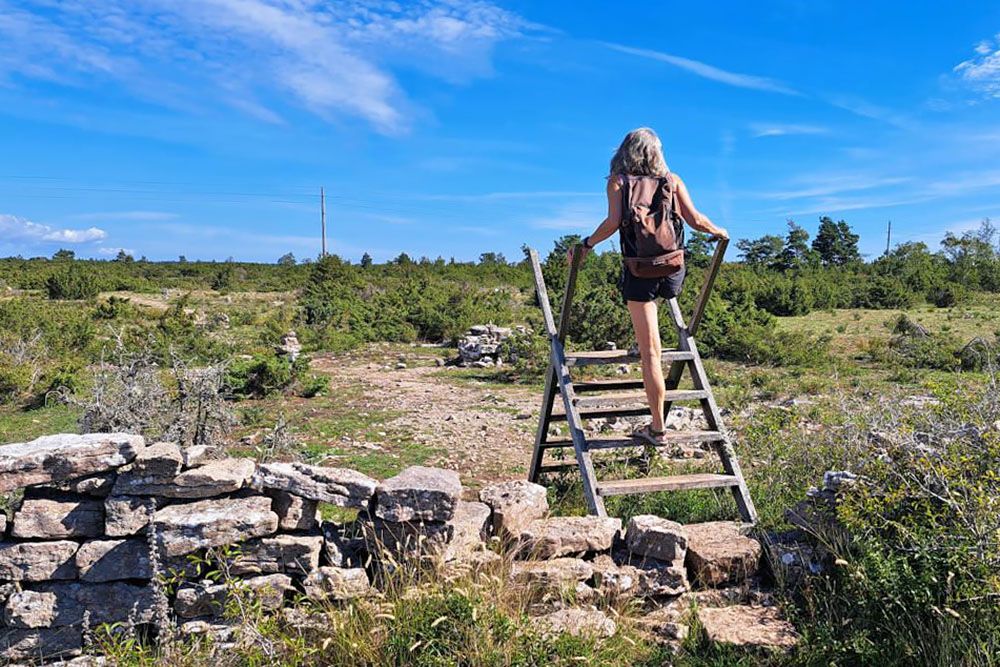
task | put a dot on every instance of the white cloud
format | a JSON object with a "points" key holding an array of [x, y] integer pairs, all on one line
{"points": [[760, 130], [982, 73], [707, 71], [113, 252], [13, 228]]}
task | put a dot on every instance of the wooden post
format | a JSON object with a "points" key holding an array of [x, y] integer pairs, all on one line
{"points": [[322, 219], [706, 287]]}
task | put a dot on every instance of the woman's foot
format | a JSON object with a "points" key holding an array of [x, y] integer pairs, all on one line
{"points": [[649, 435]]}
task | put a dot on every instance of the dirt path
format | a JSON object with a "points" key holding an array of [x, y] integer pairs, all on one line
{"points": [[481, 430]]}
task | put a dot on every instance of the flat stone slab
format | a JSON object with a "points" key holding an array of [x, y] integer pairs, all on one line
{"points": [[554, 572], [515, 504], [37, 561], [579, 623], [127, 515], [294, 512], [195, 600], [53, 458], [60, 604], [286, 554], [655, 537], [98, 485], [212, 479], [568, 536], [748, 627], [160, 459], [336, 583], [625, 575], [338, 486], [719, 553], [54, 519], [419, 493], [471, 528], [114, 560], [188, 527], [43, 643]]}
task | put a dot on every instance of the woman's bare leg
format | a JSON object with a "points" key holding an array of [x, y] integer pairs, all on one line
{"points": [[647, 335]]}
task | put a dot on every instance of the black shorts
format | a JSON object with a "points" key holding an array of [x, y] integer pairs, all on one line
{"points": [[647, 289]]}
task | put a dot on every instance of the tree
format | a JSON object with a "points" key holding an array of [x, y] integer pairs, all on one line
{"points": [[972, 256], [835, 243], [288, 259], [64, 255], [699, 249], [763, 252], [492, 258], [124, 257], [182, 260], [366, 260], [796, 253], [403, 260]]}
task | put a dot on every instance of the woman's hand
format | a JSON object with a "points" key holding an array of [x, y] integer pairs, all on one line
{"points": [[720, 234], [573, 249]]}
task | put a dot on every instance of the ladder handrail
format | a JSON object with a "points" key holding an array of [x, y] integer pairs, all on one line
{"points": [[706, 287], [574, 268]]}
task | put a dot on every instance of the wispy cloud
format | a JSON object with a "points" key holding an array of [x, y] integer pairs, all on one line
{"points": [[580, 216], [982, 71], [833, 184], [113, 252], [135, 216], [710, 72], [20, 230], [760, 130]]}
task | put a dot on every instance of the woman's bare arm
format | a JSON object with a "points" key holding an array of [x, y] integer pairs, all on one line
{"points": [[693, 216], [611, 223]]}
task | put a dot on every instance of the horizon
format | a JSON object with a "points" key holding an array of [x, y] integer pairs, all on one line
{"points": [[453, 128]]}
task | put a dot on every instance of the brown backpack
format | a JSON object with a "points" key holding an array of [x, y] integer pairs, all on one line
{"points": [[652, 228]]}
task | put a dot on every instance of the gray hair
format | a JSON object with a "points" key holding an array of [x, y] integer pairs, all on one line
{"points": [[640, 154]]}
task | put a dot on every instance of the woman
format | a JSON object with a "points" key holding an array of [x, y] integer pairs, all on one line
{"points": [[641, 154]]}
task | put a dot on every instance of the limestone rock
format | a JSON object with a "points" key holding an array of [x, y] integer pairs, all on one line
{"points": [[579, 623], [197, 455], [212, 523], [335, 583], [340, 549], [161, 459], [419, 494], [214, 478], [37, 561], [209, 599], [515, 504], [718, 553], [113, 560], [625, 575], [287, 554], [470, 523], [48, 518], [658, 538], [748, 627], [58, 604], [30, 609], [568, 535], [555, 572], [18, 644], [98, 485], [664, 625], [408, 539], [337, 486], [219, 632], [3, 525], [54, 458], [294, 512], [126, 515]]}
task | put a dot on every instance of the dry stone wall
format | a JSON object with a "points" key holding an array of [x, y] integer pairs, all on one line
{"points": [[103, 516]]}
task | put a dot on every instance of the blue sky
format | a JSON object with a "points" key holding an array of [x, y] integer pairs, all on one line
{"points": [[449, 128]]}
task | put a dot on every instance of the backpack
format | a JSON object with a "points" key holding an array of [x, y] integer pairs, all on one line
{"points": [[651, 226]]}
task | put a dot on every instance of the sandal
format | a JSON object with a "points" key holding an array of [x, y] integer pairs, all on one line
{"points": [[650, 436]]}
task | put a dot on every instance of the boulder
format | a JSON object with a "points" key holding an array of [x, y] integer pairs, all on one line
{"points": [[418, 494], [748, 627], [337, 486], [213, 478], [471, 528], [49, 518], [567, 536], [336, 583], [54, 458], [37, 561], [719, 554], [624, 575], [554, 572], [515, 504], [113, 560], [197, 455], [57, 604], [294, 512], [42, 643], [209, 599], [127, 515], [579, 623], [182, 529], [161, 459], [655, 537], [287, 554]]}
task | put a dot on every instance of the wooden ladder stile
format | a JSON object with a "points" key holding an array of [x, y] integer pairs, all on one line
{"points": [[576, 408]]}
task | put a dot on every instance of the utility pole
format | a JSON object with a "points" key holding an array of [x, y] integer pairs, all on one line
{"points": [[888, 238], [322, 218]]}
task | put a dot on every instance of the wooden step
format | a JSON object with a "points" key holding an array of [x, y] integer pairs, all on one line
{"points": [[671, 437], [607, 384], [619, 357], [635, 400], [623, 487]]}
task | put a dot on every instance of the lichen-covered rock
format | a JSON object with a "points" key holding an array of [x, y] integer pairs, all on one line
{"points": [[656, 537], [336, 583], [719, 554], [184, 528], [294, 512], [286, 554], [29, 609], [209, 599], [338, 486], [515, 504], [114, 560], [42, 643], [554, 572], [579, 623], [470, 521], [214, 478], [127, 515], [54, 519], [161, 459], [58, 604], [37, 561], [419, 493], [748, 627], [567, 536], [54, 458]]}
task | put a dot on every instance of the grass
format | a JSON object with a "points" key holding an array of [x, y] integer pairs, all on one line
{"points": [[18, 425]]}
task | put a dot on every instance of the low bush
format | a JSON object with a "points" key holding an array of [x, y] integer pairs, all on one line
{"points": [[261, 375], [71, 283]]}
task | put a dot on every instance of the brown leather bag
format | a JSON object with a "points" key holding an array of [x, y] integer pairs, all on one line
{"points": [[652, 228]]}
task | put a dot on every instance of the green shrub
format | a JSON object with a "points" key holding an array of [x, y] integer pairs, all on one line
{"points": [[259, 376], [71, 283], [314, 385], [948, 295]]}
